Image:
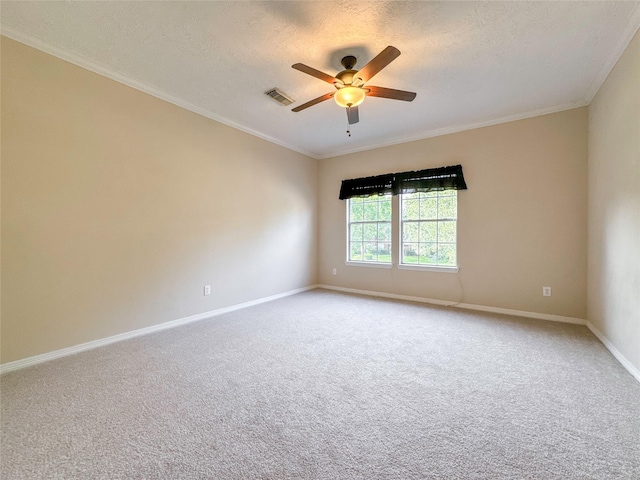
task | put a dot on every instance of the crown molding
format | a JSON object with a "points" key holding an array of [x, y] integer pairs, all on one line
{"points": [[627, 34], [104, 71], [464, 127]]}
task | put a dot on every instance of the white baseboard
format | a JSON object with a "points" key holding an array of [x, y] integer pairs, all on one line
{"points": [[507, 311], [468, 306], [615, 352], [522, 313], [45, 357]]}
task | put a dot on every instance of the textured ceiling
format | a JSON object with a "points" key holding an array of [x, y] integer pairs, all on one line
{"points": [[471, 63]]}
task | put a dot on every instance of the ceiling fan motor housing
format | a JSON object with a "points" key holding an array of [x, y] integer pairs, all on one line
{"points": [[348, 74], [349, 62], [345, 77]]}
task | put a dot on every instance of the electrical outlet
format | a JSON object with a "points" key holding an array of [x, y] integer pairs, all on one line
{"points": [[335, 271], [207, 289], [546, 291]]}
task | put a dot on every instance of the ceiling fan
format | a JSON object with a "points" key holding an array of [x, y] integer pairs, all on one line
{"points": [[350, 84]]}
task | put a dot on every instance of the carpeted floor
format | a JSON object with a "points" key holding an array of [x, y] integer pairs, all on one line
{"points": [[323, 385]]}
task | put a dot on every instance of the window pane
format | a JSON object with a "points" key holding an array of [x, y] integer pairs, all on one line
{"points": [[356, 232], [447, 207], [370, 211], [355, 251], [370, 252], [410, 196], [410, 232], [410, 210], [384, 211], [428, 231], [384, 257], [447, 254], [428, 208], [447, 232], [384, 252], [370, 232], [355, 208], [429, 253], [384, 233], [410, 253]]}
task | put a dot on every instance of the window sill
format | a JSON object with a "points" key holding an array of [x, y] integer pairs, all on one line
{"points": [[428, 268], [368, 264]]}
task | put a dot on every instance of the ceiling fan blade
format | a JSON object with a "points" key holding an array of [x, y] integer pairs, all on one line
{"points": [[352, 115], [384, 58], [389, 93], [311, 103], [315, 73]]}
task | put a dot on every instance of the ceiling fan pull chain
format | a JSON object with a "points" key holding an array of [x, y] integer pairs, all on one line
{"points": [[348, 124]]}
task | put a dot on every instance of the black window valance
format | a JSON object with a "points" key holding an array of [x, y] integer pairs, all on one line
{"points": [[431, 179]]}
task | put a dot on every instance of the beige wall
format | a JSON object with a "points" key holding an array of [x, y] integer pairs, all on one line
{"points": [[521, 224], [614, 206], [117, 208]]}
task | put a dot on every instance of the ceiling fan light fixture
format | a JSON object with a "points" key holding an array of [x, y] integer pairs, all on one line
{"points": [[349, 96]]}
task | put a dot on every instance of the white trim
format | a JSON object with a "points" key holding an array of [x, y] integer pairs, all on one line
{"points": [[428, 268], [506, 311], [615, 352], [523, 313], [468, 306], [138, 85], [460, 128], [45, 357], [105, 71], [623, 41], [393, 296], [351, 263]]}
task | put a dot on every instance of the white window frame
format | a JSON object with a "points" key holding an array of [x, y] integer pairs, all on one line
{"points": [[370, 263], [422, 266]]}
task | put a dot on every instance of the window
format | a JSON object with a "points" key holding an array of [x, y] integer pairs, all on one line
{"points": [[428, 228], [369, 229], [425, 212]]}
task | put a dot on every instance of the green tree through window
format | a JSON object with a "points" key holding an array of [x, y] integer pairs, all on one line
{"points": [[428, 228], [369, 229]]}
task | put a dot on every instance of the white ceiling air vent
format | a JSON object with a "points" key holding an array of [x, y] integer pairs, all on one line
{"points": [[279, 96]]}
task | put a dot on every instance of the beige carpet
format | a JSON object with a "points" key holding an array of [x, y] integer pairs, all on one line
{"points": [[323, 385]]}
